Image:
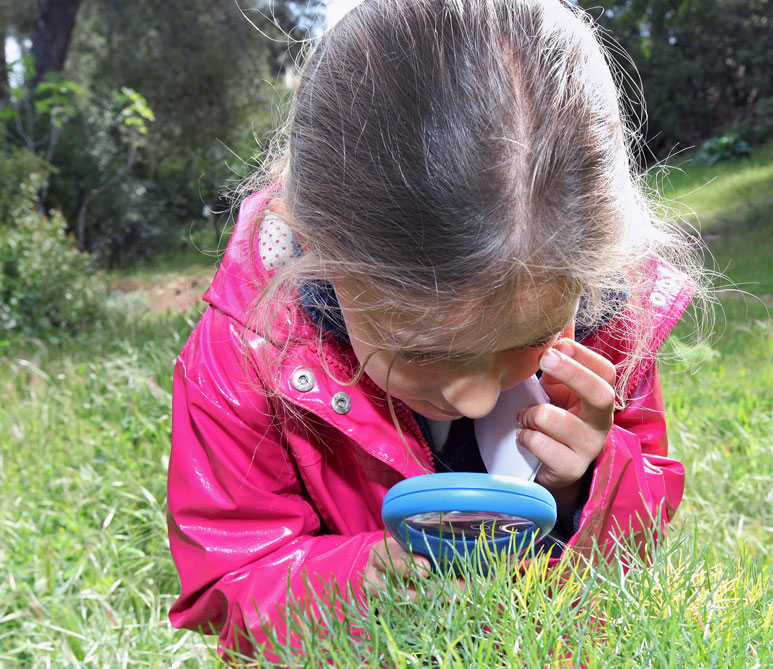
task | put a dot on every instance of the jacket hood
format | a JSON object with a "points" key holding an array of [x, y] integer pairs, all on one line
{"points": [[253, 255]]}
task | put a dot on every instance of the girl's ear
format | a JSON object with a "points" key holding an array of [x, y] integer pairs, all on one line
{"points": [[279, 208], [568, 331]]}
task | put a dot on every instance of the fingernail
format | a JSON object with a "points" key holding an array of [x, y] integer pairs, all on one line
{"points": [[566, 347], [519, 417], [549, 360]]}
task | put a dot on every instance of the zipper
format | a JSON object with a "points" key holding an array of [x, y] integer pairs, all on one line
{"points": [[410, 420], [408, 423]]}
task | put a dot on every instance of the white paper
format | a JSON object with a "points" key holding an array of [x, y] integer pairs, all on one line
{"points": [[495, 433]]}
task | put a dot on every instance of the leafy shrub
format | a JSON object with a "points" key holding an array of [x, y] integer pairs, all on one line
{"points": [[15, 167], [129, 221], [45, 283], [723, 147], [754, 124]]}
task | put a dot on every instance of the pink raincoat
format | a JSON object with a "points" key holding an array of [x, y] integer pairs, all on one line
{"points": [[260, 497]]}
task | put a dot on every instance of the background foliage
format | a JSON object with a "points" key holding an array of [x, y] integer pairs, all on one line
{"points": [[209, 77], [703, 65], [211, 74], [44, 281]]}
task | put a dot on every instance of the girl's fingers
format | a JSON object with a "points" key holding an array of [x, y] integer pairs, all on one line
{"points": [[388, 555], [568, 434], [558, 425], [422, 564], [560, 464], [373, 581], [595, 362], [379, 562], [590, 360], [596, 393]]}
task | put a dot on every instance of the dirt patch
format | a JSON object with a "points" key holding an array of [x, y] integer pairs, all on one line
{"points": [[177, 294], [129, 285]]}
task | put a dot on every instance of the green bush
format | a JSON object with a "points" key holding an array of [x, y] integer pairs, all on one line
{"points": [[45, 283], [15, 167], [132, 219], [724, 147], [755, 123], [699, 64]]}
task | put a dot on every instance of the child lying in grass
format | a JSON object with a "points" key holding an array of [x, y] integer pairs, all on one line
{"points": [[454, 209]]}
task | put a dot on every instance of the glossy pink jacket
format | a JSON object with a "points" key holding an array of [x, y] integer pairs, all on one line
{"points": [[259, 496]]}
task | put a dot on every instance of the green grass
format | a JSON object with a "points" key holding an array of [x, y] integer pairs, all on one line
{"points": [[720, 194], [87, 578], [84, 436], [720, 426], [682, 610]]}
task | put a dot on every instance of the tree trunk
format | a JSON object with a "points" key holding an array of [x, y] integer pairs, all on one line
{"points": [[120, 174], [4, 95], [51, 36]]}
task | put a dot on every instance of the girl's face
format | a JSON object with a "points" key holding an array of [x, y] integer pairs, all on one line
{"points": [[465, 381]]}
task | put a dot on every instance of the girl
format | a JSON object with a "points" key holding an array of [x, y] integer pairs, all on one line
{"points": [[453, 211]]}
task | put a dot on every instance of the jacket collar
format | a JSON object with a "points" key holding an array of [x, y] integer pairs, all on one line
{"points": [[360, 411]]}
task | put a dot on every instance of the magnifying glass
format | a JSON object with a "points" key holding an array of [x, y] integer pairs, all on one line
{"points": [[443, 515]]}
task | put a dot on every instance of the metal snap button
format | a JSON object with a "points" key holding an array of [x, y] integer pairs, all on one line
{"points": [[303, 380], [341, 403]]}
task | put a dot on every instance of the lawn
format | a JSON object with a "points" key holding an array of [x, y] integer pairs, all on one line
{"points": [[84, 436]]}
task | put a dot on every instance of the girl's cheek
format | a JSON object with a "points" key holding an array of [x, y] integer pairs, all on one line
{"points": [[518, 366], [401, 377], [411, 378]]}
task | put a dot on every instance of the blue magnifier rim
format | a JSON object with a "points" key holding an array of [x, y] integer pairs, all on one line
{"points": [[472, 492]]}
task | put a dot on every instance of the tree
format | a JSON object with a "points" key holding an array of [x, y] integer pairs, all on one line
{"points": [[4, 94], [209, 77], [51, 36], [702, 64], [132, 118], [207, 73], [16, 22]]}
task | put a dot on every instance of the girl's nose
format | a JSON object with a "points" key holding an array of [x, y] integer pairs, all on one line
{"points": [[474, 394]]}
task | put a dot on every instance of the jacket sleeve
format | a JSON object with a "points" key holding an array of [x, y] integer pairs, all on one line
{"points": [[634, 485], [242, 530]]}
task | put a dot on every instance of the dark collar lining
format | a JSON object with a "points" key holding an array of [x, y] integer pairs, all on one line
{"points": [[319, 300]]}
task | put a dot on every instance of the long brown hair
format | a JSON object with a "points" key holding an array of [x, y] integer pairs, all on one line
{"points": [[448, 152]]}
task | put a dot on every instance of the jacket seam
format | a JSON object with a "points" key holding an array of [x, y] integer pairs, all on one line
{"points": [[674, 314], [407, 421]]}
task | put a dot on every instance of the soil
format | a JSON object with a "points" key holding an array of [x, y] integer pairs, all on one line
{"points": [[178, 294]]}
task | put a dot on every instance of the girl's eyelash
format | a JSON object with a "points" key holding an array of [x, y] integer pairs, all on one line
{"points": [[540, 344], [418, 356], [548, 341]]}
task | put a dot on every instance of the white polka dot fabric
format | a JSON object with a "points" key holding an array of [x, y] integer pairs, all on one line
{"points": [[275, 242]]}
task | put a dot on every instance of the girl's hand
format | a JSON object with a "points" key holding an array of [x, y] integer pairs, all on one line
{"points": [[388, 555], [568, 434]]}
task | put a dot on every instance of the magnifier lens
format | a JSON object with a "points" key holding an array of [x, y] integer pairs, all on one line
{"points": [[468, 524]]}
